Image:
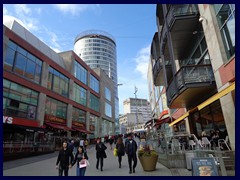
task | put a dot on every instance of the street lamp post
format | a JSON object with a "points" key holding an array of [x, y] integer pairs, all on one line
{"points": [[135, 92]]}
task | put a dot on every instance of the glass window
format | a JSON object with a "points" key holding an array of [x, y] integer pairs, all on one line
{"points": [[20, 64], [94, 83], [108, 110], [57, 82], [226, 21], [107, 94], [30, 70], [56, 108], [94, 102], [9, 59], [79, 94], [23, 63], [79, 115], [80, 72], [18, 99]]}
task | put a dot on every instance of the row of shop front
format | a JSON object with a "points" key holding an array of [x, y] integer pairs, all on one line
{"points": [[21, 135]]}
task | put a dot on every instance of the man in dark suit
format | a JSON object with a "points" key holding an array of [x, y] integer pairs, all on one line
{"points": [[131, 151]]}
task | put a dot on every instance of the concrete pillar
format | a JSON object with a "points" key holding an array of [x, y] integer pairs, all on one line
{"points": [[70, 89], [228, 109], [69, 118], [41, 108], [87, 122], [44, 75]]}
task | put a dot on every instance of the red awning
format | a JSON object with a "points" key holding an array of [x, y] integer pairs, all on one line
{"points": [[161, 121], [82, 130], [58, 126], [165, 112]]}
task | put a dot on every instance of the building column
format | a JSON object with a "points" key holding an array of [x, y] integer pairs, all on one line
{"points": [[41, 108], [69, 118], [87, 122], [44, 75], [228, 109]]}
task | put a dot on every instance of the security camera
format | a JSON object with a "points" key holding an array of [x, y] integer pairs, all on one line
{"points": [[200, 19]]}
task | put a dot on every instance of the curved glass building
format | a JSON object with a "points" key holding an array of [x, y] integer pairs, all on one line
{"points": [[98, 50]]}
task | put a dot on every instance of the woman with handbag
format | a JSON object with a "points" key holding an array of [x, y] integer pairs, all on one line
{"points": [[100, 153], [120, 150], [81, 158]]}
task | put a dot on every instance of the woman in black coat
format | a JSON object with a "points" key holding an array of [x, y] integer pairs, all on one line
{"points": [[120, 150], [100, 153]]}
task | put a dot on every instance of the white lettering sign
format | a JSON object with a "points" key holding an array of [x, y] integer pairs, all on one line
{"points": [[8, 120]]}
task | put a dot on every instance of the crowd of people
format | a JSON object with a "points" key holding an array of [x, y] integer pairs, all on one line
{"points": [[75, 152]]}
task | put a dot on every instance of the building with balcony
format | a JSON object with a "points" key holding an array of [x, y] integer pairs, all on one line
{"points": [[193, 57]]}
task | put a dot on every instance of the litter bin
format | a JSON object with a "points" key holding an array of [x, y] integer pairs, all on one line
{"points": [[189, 156]]}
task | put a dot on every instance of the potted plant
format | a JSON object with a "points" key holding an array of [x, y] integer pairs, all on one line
{"points": [[148, 157]]}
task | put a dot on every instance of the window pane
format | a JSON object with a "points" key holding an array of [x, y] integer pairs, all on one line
{"points": [[30, 69], [20, 65], [9, 59]]}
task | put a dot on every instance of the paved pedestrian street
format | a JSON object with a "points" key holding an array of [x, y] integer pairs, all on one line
{"points": [[45, 165]]}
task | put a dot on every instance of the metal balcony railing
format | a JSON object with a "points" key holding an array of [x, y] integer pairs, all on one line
{"points": [[189, 75], [179, 10]]}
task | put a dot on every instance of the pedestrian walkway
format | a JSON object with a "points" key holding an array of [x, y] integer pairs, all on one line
{"points": [[45, 165]]}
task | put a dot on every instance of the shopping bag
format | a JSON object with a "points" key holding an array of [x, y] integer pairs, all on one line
{"points": [[115, 152], [83, 163], [88, 164]]}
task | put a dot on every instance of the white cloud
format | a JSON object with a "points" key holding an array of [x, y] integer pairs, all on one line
{"points": [[5, 11], [25, 15], [22, 9], [7, 18], [75, 9], [142, 61]]}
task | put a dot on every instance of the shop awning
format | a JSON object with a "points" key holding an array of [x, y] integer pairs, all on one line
{"points": [[179, 119], [149, 122], [217, 96], [58, 126], [161, 121], [207, 102], [83, 131]]}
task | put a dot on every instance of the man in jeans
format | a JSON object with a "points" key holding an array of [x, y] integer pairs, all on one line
{"points": [[131, 151], [65, 157]]}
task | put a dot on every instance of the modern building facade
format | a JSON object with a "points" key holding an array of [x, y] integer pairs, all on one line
{"points": [[46, 94], [98, 50], [193, 57], [106, 126]]}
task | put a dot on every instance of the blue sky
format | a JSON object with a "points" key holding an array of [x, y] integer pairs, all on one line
{"points": [[132, 26]]}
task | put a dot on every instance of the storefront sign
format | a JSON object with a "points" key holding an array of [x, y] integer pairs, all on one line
{"points": [[51, 118], [20, 121], [204, 167], [92, 128], [7, 119], [79, 125]]}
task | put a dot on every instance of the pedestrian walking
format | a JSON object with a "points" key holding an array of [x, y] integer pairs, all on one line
{"points": [[65, 157], [131, 151], [100, 153], [111, 140], [120, 150], [80, 156]]}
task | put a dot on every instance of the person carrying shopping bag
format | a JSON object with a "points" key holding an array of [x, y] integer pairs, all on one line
{"points": [[81, 158]]}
